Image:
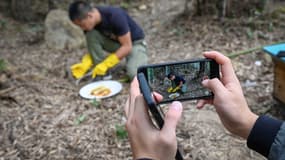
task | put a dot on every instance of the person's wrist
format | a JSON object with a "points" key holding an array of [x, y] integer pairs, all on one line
{"points": [[247, 125], [157, 155], [250, 124], [144, 156]]}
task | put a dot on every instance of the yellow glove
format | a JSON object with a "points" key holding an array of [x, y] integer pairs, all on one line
{"points": [[87, 60], [169, 90], [109, 62], [175, 89], [79, 69]]}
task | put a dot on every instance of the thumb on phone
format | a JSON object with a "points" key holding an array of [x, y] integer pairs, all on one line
{"points": [[171, 120]]}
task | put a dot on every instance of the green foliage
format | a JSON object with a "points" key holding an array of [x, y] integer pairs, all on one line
{"points": [[112, 2], [178, 31], [282, 10], [125, 5], [249, 33], [276, 13], [3, 24], [121, 132], [270, 27], [125, 79], [96, 103], [80, 119], [2, 65], [35, 27]]}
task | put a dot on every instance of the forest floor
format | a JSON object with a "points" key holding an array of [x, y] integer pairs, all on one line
{"points": [[42, 115]]}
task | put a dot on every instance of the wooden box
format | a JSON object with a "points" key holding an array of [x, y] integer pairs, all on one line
{"points": [[279, 70], [279, 80]]}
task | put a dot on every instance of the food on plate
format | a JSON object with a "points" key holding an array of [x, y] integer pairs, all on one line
{"points": [[100, 91], [174, 95]]}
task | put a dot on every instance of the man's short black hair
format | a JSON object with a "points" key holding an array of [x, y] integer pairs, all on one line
{"points": [[78, 10], [170, 75]]}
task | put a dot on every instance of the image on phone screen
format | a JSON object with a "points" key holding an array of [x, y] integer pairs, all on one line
{"points": [[181, 81]]}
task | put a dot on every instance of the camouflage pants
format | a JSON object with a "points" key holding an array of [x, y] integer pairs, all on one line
{"points": [[100, 46]]}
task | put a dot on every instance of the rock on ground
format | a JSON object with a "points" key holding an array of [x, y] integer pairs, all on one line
{"points": [[61, 33]]}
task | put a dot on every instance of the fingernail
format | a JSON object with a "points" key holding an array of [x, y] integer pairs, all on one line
{"points": [[176, 105], [204, 82]]}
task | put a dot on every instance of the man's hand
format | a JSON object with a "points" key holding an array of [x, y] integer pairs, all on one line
{"points": [[169, 90], [176, 89], [78, 70], [113, 59], [101, 68]]}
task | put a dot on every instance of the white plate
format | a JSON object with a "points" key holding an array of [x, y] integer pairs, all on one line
{"points": [[114, 86], [174, 95]]}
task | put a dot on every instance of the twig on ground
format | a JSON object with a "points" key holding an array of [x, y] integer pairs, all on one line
{"points": [[5, 91]]}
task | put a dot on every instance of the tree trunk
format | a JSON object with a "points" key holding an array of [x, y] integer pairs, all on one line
{"points": [[222, 8], [29, 10]]}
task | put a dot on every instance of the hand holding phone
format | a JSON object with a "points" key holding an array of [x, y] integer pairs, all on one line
{"points": [[181, 80], [154, 109], [229, 101], [146, 140], [175, 81]]}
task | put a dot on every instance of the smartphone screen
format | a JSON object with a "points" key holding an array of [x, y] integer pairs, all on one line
{"points": [[181, 80]]}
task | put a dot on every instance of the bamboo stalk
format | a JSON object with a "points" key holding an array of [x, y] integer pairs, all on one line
{"points": [[244, 52]]}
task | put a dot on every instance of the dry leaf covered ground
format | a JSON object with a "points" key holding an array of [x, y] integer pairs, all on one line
{"points": [[43, 117]]}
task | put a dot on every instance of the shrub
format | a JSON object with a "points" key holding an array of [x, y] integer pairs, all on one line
{"points": [[2, 65]]}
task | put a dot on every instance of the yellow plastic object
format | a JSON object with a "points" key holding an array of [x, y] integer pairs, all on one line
{"points": [[109, 62], [79, 69], [175, 89], [169, 90]]}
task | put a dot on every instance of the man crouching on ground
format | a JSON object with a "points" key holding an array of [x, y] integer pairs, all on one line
{"points": [[111, 35]]}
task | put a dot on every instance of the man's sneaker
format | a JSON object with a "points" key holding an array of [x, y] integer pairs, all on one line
{"points": [[108, 76]]}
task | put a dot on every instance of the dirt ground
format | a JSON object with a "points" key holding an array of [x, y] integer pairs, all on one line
{"points": [[43, 117]]}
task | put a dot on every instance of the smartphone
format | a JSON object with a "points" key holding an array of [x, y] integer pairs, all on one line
{"points": [[154, 109], [181, 80]]}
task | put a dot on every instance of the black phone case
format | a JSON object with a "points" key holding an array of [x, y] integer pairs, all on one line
{"points": [[154, 109], [145, 90]]}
